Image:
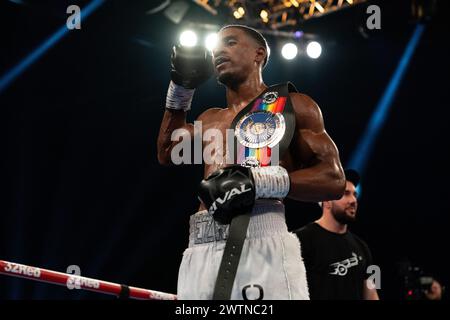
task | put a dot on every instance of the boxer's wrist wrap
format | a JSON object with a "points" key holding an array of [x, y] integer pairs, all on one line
{"points": [[178, 97], [271, 182]]}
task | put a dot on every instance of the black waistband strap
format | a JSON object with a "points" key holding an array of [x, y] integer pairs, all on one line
{"points": [[231, 256]]}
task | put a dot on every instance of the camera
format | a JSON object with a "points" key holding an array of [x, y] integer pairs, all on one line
{"points": [[416, 283]]}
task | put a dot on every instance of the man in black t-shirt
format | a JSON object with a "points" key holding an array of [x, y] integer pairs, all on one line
{"points": [[336, 260]]}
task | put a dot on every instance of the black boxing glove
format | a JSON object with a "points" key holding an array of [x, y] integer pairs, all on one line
{"points": [[232, 191], [228, 192], [191, 66]]}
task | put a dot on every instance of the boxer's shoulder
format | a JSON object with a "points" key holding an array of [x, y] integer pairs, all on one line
{"points": [[210, 114], [303, 103], [306, 110]]}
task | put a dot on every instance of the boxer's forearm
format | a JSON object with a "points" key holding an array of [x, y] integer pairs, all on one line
{"points": [[172, 120], [178, 102], [317, 183]]}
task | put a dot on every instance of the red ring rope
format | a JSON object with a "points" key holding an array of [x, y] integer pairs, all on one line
{"points": [[68, 280]]}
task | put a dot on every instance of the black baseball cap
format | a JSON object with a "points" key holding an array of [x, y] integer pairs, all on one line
{"points": [[352, 176]]}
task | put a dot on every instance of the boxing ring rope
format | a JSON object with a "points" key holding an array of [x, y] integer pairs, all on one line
{"points": [[78, 282]]}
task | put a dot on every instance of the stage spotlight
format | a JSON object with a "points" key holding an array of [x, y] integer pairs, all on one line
{"points": [[188, 38], [314, 49], [264, 16], [211, 41], [289, 51], [239, 13]]}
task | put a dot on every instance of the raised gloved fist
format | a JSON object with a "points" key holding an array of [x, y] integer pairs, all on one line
{"points": [[191, 66], [228, 192]]}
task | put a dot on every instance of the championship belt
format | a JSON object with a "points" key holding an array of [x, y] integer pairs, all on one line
{"points": [[264, 129], [262, 133]]}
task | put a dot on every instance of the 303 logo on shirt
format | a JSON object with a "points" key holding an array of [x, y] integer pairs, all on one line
{"points": [[341, 268]]}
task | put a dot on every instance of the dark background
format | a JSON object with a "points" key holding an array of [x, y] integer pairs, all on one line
{"points": [[81, 184]]}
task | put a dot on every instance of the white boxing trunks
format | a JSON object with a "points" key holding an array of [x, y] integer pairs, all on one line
{"points": [[270, 267]]}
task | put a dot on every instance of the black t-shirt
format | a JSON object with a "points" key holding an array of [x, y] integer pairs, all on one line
{"points": [[336, 264]]}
